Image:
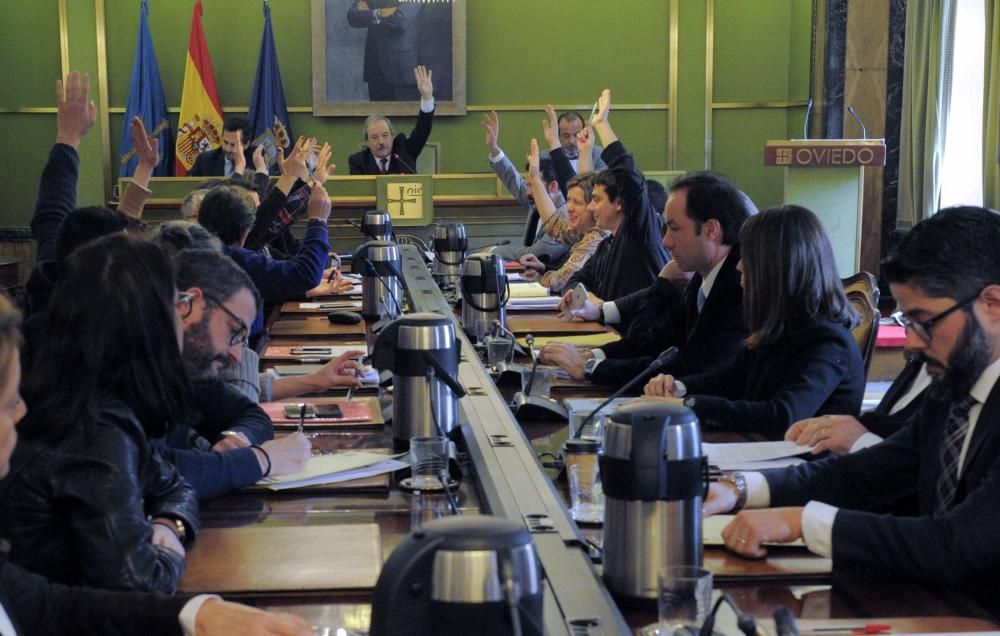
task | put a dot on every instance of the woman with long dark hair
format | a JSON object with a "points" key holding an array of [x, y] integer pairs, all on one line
{"points": [[800, 359], [88, 500]]}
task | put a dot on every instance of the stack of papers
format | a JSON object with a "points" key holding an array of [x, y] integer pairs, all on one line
{"points": [[368, 378], [751, 456], [333, 305], [312, 353], [529, 290], [331, 469], [542, 303]]}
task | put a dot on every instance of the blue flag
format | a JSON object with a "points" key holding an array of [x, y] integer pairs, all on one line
{"points": [[268, 114], [145, 100]]}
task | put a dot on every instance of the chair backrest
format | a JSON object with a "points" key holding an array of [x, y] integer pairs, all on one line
{"points": [[862, 291]]}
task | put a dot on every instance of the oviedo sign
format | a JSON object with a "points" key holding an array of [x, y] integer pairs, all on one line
{"points": [[825, 153]]}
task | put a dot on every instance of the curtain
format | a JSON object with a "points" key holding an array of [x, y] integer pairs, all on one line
{"points": [[926, 84], [991, 108]]}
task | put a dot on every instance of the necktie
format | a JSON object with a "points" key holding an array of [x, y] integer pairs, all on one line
{"points": [[385, 165], [955, 429], [701, 298]]}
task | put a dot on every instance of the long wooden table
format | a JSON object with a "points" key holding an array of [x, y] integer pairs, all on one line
{"points": [[504, 477]]}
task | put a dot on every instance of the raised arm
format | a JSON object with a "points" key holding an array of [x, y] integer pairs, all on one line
{"points": [[546, 209], [147, 149], [501, 165], [585, 143]]}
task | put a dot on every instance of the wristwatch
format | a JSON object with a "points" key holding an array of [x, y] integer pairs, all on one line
{"points": [[739, 482], [174, 524], [588, 368]]}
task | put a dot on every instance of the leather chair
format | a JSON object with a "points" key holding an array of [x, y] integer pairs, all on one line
{"points": [[862, 291]]}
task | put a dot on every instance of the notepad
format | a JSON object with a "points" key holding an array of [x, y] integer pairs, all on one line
{"points": [[754, 455], [315, 352], [529, 290], [343, 465], [585, 341]]}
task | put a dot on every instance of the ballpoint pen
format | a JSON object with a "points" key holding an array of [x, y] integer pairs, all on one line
{"points": [[350, 389], [869, 628], [302, 418]]}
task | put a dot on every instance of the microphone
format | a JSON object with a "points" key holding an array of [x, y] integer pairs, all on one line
{"points": [[353, 222], [396, 156], [864, 131], [496, 244], [784, 622], [665, 358], [805, 124], [534, 365]]}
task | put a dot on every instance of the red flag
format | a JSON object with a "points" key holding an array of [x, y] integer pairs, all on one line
{"points": [[200, 126]]}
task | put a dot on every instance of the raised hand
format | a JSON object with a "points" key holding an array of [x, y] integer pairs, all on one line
{"points": [[534, 160], [550, 127], [585, 140], [295, 164], [147, 148], [603, 106], [76, 112], [239, 157], [491, 122], [324, 169], [424, 83], [319, 204], [259, 163]]}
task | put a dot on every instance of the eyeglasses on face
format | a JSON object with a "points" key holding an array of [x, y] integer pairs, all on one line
{"points": [[241, 334], [925, 328]]}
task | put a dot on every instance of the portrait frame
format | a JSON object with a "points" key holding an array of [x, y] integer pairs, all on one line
{"points": [[336, 91]]}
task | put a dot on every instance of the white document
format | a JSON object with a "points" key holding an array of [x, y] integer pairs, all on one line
{"points": [[385, 466], [332, 305], [545, 302], [529, 290], [752, 451], [328, 469], [712, 527]]}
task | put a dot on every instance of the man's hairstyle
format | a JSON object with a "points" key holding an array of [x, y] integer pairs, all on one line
{"points": [[570, 116], [242, 124], [789, 274], [175, 236], [227, 211], [953, 254], [711, 195], [584, 182], [111, 335], [192, 204], [214, 273], [371, 119], [607, 180], [657, 194], [86, 224]]}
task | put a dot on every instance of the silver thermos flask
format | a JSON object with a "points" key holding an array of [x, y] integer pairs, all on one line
{"points": [[461, 576], [378, 263], [450, 248], [654, 476], [376, 225], [484, 295], [423, 353]]}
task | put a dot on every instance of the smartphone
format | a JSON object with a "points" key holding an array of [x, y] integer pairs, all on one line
{"points": [[295, 411], [329, 410], [306, 351]]}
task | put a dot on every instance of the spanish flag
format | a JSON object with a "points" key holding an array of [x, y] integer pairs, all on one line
{"points": [[200, 125]]}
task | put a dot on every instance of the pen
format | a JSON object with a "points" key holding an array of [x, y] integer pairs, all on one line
{"points": [[302, 418], [592, 111], [350, 389], [333, 274], [870, 628]]}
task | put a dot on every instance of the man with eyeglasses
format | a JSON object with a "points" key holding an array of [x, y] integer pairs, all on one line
{"points": [[229, 445], [922, 505]]}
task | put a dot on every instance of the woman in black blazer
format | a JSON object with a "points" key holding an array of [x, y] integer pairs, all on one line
{"points": [[800, 359]]}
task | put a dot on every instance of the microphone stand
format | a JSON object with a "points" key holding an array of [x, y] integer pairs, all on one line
{"points": [[665, 358]]}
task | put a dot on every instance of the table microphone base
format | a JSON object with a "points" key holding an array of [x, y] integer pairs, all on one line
{"points": [[534, 408]]}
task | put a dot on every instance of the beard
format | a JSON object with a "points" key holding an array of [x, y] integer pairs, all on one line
{"points": [[198, 354], [967, 361]]}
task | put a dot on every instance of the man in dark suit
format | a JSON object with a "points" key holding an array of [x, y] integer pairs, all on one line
{"points": [[226, 159], [922, 505], [390, 47], [388, 154], [703, 217]]}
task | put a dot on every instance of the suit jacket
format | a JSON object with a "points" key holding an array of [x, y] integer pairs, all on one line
{"points": [[408, 149], [659, 318], [879, 420], [815, 369], [37, 606], [887, 494], [391, 45], [212, 163]]}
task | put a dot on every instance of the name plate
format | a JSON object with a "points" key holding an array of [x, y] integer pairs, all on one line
{"points": [[825, 153]]}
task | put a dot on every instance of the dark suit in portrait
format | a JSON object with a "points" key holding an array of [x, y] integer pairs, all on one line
{"points": [[390, 47]]}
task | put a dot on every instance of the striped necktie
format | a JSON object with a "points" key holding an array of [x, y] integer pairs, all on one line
{"points": [[383, 165], [701, 298], [955, 429]]}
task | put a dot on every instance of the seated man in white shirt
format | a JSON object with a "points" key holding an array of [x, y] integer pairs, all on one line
{"points": [[922, 505]]}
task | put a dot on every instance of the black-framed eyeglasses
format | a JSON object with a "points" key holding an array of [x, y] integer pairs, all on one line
{"points": [[241, 334], [925, 328]]}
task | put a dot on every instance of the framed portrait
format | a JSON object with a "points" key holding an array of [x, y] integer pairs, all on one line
{"points": [[364, 52]]}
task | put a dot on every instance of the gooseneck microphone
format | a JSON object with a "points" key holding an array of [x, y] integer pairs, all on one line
{"points": [[805, 124], [396, 156], [864, 131], [665, 358], [496, 244]]}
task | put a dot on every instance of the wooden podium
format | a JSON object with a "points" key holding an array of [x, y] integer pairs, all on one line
{"points": [[827, 176]]}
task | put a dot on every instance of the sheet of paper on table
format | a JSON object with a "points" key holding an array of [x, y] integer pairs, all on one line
{"points": [[529, 290], [331, 469], [754, 455]]}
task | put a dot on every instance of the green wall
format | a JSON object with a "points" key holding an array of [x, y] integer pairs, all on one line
{"points": [[520, 53]]}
